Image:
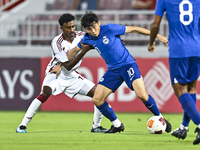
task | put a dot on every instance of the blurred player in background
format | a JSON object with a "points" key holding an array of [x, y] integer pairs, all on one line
{"points": [[69, 81], [121, 66], [184, 55]]}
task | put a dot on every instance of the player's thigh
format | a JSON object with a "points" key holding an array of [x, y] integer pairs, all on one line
{"points": [[101, 93], [192, 87], [139, 88]]}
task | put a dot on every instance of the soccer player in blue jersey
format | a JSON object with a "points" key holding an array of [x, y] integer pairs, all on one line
{"points": [[184, 55], [121, 66]]}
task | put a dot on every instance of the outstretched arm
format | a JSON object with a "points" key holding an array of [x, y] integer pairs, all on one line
{"points": [[133, 29], [154, 31]]}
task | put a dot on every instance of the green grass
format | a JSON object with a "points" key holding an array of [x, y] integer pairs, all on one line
{"points": [[71, 131]]}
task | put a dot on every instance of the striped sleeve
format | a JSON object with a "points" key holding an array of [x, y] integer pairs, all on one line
{"points": [[58, 49]]}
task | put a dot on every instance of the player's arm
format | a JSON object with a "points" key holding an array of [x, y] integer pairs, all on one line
{"points": [[72, 53], [154, 31], [133, 29], [68, 64], [72, 62]]}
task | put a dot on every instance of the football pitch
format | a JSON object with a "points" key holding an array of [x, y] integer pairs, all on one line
{"points": [[71, 131]]}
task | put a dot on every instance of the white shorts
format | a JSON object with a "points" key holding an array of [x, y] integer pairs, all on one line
{"points": [[70, 85]]}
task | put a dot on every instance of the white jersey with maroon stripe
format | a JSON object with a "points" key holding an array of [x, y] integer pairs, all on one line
{"points": [[69, 82], [60, 48]]}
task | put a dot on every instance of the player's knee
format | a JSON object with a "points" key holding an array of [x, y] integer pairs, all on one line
{"points": [[46, 91], [178, 93], [97, 102], [42, 98], [142, 96]]}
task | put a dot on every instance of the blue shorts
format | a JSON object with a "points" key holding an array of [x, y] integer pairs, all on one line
{"points": [[184, 70], [113, 78]]}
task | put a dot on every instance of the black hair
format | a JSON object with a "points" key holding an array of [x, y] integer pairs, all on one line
{"points": [[88, 19], [65, 18]]}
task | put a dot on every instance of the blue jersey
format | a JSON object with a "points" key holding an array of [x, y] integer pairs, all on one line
{"points": [[184, 26], [109, 45]]}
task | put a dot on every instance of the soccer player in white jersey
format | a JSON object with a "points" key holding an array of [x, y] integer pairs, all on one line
{"points": [[69, 80], [121, 66], [184, 55]]}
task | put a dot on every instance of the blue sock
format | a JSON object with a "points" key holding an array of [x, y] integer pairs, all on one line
{"points": [[107, 111], [186, 118], [151, 105], [189, 107]]}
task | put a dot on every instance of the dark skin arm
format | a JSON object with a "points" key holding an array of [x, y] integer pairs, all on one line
{"points": [[154, 31], [72, 62]]}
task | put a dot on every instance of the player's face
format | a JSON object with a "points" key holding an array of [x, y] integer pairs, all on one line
{"points": [[68, 29], [94, 30]]}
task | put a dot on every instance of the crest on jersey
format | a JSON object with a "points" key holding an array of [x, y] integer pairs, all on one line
{"points": [[105, 40]]}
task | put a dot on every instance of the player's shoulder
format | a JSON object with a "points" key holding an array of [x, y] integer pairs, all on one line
{"points": [[108, 26], [57, 41], [58, 38]]}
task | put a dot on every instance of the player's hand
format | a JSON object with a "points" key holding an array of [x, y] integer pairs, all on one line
{"points": [[56, 70], [163, 39], [86, 48], [151, 47]]}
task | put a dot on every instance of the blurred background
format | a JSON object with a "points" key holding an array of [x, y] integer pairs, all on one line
{"points": [[27, 28], [30, 25]]}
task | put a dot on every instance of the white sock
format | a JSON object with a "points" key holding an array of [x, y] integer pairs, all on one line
{"points": [[198, 126], [116, 122], [161, 115], [182, 127], [97, 117], [33, 108]]}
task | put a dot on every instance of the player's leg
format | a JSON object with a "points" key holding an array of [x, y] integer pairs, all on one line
{"points": [[181, 132], [133, 79], [88, 89], [48, 85], [187, 72], [99, 98], [33, 108], [96, 126], [149, 102], [189, 107], [192, 92], [139, 88]]}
